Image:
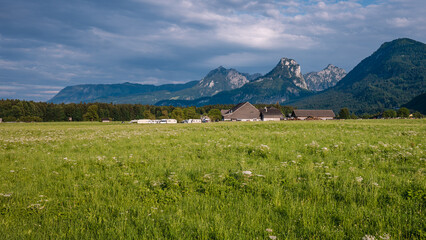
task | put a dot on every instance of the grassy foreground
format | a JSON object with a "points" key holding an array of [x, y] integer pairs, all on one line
{"points": [[286, 180]]}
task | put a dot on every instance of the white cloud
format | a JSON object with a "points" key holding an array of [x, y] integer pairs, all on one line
{"points": [[399, 22], [234, 60]]}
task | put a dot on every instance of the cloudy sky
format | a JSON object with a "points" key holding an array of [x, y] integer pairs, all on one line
{"points": [[49, 44]]}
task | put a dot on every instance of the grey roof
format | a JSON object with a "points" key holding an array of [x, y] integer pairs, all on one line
{"points": [[224, 111], [313, 113], [271, 112], [242, 111]]}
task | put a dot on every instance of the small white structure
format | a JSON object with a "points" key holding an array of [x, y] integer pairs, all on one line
{"points": [[144, 121], [192, 121], [1, 120], [169, 121], [157, 121], [205, 119]]}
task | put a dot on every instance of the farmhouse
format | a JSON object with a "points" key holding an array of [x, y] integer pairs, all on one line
{"points": [[313, 114], [270, 114], [242, 112], [106, 120]]}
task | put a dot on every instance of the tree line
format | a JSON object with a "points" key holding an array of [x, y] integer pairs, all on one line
{"points": [[29, 111], [403, 112]]}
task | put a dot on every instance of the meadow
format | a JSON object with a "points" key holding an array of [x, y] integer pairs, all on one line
{"points": [[265, 180]]}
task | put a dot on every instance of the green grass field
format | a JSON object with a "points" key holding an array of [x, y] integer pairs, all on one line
{"points": [[285, 180]]}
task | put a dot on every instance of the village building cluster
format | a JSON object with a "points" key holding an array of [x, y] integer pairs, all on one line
{"points": [[246, 112]]}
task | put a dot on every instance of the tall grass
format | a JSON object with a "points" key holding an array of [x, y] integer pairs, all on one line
{"points": [[289, 180]]}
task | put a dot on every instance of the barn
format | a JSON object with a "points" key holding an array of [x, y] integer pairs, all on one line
{"points": [[313, 114], [270, 114], [241, 112]]}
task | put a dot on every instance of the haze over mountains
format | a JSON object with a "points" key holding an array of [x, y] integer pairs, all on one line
{"points": [[389, 78]]}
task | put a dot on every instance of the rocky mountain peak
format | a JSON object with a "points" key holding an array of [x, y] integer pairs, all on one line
{"points": [[221, 79], [326, 78], [288, 69]]}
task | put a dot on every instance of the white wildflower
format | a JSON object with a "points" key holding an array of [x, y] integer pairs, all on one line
{"points": [[314, 144], [359, 179], [12, 171], [268, 230], [36, 206], [368, 237], [299, 156], [6, 194], [385, 236], [375, 184], [324, 148], [247, 172], [327, 173], [273, 237], [264, 146]]}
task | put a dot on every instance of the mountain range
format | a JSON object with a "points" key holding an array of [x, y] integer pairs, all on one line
{"points": [[282, 83], [389, 78], [217, 81]]}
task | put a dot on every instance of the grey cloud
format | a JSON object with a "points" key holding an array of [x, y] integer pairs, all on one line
{"points": [[59, 43]]}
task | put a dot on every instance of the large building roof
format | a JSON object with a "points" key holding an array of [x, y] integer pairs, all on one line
{"points": [[313, 113], [270, 112], [242, 111]]}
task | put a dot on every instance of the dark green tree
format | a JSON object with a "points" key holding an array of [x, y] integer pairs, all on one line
{"points": [[389, 114], [91, 114], [191, 113], [148, 115], [215, 115], [16, 112], [403, 112], [344, 114], [177, 114], [417, 115]]}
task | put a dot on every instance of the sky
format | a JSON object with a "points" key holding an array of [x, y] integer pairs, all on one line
{"points": [[47, 45]]}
